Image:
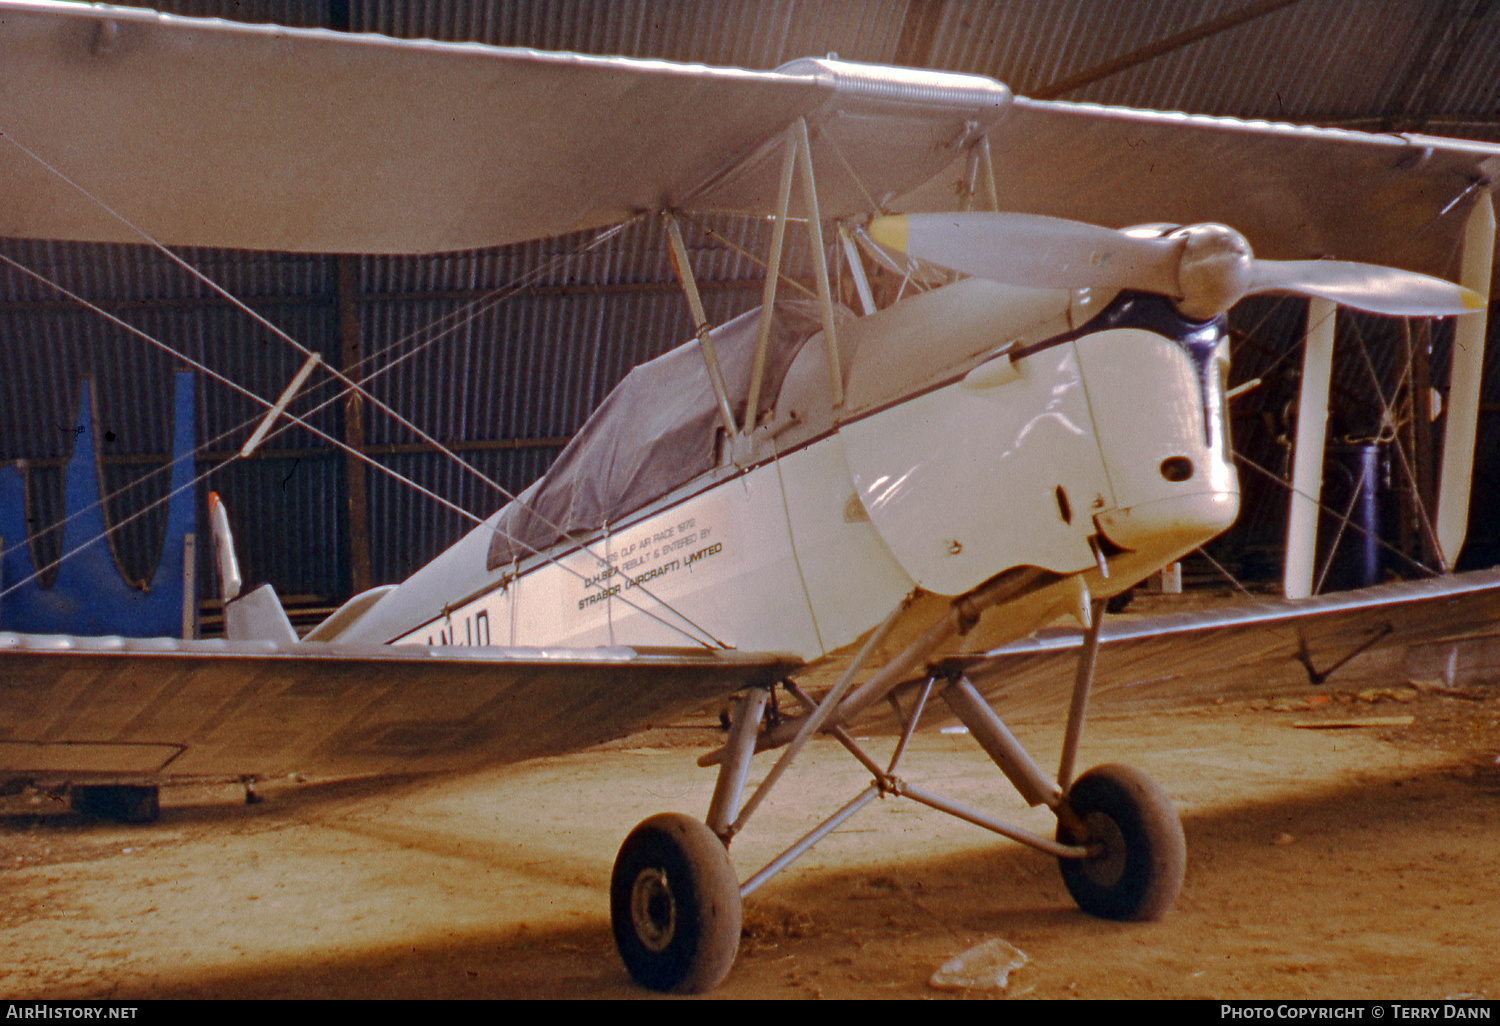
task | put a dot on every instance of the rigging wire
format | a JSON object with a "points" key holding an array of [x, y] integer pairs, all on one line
{"points": [[256, 317], [1247, 461], [1344, 521], [197, 365], [357, 388], [350, 384], [1234, 581], [475, 309], [1387, 416], [301, 421], [742, 251]]}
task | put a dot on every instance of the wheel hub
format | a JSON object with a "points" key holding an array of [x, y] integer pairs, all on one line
{"points": [[653, 912], [1108, 867]]}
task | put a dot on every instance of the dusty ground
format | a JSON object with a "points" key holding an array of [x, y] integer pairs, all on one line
{"points": [[1357, 862]]}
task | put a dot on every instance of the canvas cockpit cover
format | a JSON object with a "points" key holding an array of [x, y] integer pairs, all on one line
{"points": [[654, 432]]}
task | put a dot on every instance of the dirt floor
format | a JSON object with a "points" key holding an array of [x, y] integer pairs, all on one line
{"points": [[1348, 862]]}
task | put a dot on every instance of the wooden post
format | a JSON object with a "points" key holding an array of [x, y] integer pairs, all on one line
{"points": [[354, 424], [189, 586]]}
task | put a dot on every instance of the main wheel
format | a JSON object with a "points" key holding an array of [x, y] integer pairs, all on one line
{"points": [[674, 903], [1138, 871]]}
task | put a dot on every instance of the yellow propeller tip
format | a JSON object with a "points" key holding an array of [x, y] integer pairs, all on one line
{"points": [[890, 232], [1472, 300]]}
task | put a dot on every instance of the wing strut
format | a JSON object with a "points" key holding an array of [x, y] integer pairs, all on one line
{"points": [[1307, 467], [820, 262], [700, 321], [287, 394], [856, 271], [987, 165], [773, 275], [1463, 393], [797, 157]]}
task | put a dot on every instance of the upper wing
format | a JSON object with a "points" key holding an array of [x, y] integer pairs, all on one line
{"points": [[1296, 192], [250, 136], [116, 707], [1246, 646]]}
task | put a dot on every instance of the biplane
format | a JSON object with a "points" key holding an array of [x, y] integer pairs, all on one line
{"points": [[861, 498]]}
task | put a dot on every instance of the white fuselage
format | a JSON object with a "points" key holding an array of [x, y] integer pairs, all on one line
{"points": [[948, 463]]}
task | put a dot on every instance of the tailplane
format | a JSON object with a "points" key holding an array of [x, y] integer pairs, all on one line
{"points": [[257, 616]]}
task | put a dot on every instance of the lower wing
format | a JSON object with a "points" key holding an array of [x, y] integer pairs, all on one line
{"points": [[1245, 646], [113, 708]]}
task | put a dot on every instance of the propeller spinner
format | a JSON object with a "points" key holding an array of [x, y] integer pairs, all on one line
{"points": [[1205, 268]]}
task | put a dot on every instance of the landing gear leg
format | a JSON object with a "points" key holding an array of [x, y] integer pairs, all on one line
{"points": [[674, 898], [675, 904], [1120, 842], [1134, 836]]}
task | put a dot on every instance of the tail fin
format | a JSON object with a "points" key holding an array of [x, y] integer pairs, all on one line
{"points": [[257, 616]]}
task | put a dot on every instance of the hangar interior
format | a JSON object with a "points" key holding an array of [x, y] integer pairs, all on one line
{"points": [[500, 354]]}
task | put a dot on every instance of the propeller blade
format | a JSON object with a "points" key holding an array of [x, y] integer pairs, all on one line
{"points": [[1206, 268], [1034, 251], [903, 266], [1368, 287]]}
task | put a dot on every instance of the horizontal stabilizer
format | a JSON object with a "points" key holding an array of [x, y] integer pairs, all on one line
{"points": [[348, 614], [258, 616]]}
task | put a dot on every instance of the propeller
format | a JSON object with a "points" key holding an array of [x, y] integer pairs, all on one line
{"points": [[1205, 268]]}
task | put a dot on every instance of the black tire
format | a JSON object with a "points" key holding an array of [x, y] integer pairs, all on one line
{"points": [[121, 803], [675, 905], [1139, 871]]}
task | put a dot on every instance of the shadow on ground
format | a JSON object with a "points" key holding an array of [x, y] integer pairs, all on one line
{"points": [[1373, 889]]}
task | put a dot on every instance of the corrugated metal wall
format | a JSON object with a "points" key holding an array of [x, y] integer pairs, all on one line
{"points": [[503, 375]]}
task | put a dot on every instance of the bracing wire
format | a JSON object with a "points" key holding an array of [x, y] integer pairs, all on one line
{"points": [[1388, 417], [474, 310], [350, 384], [302, 422], [1245, 460], [1344, 520]]}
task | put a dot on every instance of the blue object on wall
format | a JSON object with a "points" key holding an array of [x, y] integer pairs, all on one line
{"points": [[89, 596]]}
